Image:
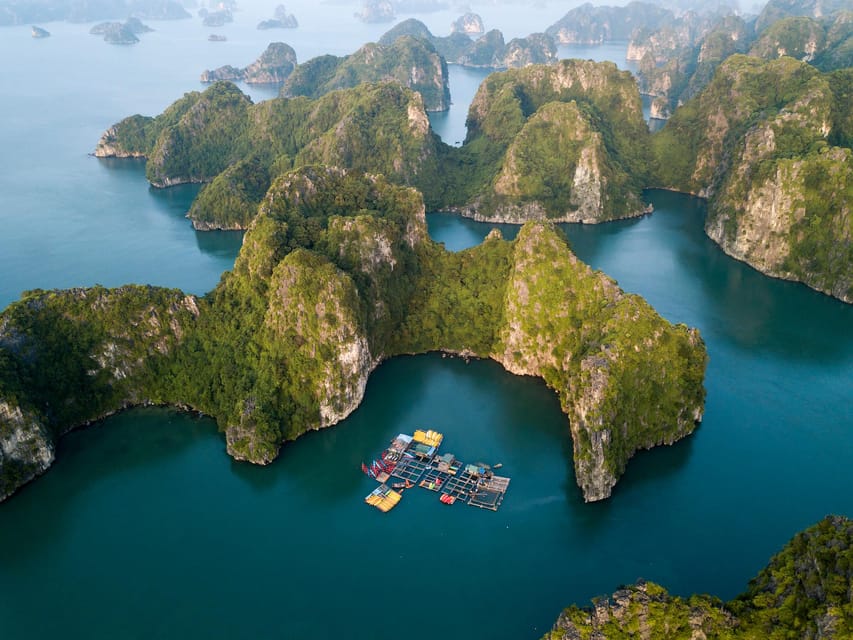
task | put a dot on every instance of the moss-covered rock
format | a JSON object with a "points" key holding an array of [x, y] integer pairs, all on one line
{"points": [[70, 357], [804, 592], [569, 143], [409, 61], [627, 379], [588, 24], [381, 128], [558, 168], [488, 51], [780, 192], [799, 37]]}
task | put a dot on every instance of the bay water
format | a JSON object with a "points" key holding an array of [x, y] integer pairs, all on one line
{"points": [[145, 528]]}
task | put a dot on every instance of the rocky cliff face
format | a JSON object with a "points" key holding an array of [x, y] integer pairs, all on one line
{"points": [[645, 611], [75, 356], [273, 66], [489, 51], [409, 61], [779, 191], [555, 163], [588, 24], [678, 60], [615, 393], [471, 24], [111, 146], [804, 592], [801, 38], [776, 10], [794, 224], [577, 188], [26, 447]]}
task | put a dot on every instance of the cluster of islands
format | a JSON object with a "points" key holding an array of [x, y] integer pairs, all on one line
{"points": [[337, 273]]}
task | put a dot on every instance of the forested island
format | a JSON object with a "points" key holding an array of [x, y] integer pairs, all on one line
{"points": [[273, 66], [563, 142], [337, 273], [489, 51], [411, 62]]}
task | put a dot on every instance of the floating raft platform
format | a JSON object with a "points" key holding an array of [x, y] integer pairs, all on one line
{"points": [[415, 461], [383, 498]]}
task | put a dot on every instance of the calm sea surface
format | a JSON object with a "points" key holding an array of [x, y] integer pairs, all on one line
{"points": [[144, 528]]}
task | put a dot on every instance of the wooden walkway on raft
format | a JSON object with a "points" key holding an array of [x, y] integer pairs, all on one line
{"points": [[414, 460]]}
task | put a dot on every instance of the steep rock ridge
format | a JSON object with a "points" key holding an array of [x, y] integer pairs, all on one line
{"points": [[321, 283], [825, 41], [692, 148], [588, 24], [678, 60], [795, 224], [274, 65], [312, 317], [800, 38], [780, 192], [336, 273], [71, 357], [570, 139], [412, 62], [776, 10], [645, 611], [489, 51], [804, 592], [603, 351], [557, 167], [471, 24]]}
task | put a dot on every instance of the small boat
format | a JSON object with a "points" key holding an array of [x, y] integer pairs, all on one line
{"points": [[498, 465], [446, 498], [402, 485]]}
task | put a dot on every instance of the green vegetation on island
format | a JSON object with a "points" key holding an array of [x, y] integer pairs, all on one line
{"points": [[758, 142], [766, 141], [411, 62], [379, 128], [804, 592], [589, 24], [489, 51], [273, 66], [336, 274], [564, 142]]}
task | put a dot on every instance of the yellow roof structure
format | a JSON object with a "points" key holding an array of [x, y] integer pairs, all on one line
{"points": [[429, 437]]}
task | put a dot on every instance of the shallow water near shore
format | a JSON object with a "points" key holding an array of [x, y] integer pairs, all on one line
{"points": [[145, 528]]}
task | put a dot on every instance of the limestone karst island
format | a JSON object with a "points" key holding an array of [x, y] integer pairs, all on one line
{"points": [[615, 314]]}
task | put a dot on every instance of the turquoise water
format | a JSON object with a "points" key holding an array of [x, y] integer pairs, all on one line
{"points": [[145, 528]]}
